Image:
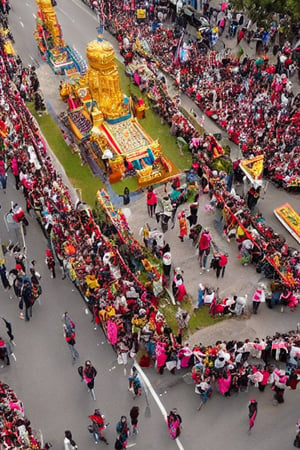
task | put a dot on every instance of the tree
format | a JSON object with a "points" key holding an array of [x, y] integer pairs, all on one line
{"points": [[259, 11]]}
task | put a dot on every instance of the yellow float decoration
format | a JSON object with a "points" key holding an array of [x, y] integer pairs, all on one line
{"points": [[97, 97], [290, 219], [253, 167]]}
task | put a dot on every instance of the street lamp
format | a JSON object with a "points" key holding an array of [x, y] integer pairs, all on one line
{"points": [[99, 8]]}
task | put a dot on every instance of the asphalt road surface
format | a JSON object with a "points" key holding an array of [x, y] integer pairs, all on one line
{"points": [[43, 375]]}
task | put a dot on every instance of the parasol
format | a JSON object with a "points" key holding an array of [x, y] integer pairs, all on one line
{"points": [[107, 154]]}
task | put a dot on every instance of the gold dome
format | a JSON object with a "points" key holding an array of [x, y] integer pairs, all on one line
{"points": [[100, 54]]}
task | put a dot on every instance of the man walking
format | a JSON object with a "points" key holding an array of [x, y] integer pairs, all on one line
{"points": [[69, 334], [26, 295]]}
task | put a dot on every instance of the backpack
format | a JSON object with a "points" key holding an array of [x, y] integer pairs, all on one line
{"points": [[297, 442], [69, 326]]}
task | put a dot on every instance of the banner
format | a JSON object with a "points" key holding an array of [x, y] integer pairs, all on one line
{"points": [[253, 168], [141, 14], [290, 219]]}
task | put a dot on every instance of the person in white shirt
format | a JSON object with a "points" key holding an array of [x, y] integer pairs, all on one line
{"points": [[69, 443]]}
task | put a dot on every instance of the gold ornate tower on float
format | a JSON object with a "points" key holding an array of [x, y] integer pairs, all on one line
{"points": [[50, 21], [103, 79]]}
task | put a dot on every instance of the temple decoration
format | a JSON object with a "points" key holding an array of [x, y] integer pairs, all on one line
{"points": [[61, 57], [7, 43], [253, 168], [103, 80], [102, 119]]}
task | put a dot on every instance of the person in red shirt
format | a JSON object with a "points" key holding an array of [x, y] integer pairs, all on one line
{"points": [[151, 201], [98, 425], [204, 248], [221, 264]]}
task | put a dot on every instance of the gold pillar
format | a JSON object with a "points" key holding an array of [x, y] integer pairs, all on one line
{"points": [[103, 78], [50, 21]]}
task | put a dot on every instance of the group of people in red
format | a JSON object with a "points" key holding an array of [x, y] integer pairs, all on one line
{"points": [[241, 95]]}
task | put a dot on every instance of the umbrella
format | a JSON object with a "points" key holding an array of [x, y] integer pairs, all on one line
{"points": [[107, 154], [224, 6]]}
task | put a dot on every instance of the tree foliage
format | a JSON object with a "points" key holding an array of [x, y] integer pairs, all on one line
{"points": [[260, 10]]}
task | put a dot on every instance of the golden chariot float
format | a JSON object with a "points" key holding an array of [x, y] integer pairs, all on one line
{"points": [[101, 117]]}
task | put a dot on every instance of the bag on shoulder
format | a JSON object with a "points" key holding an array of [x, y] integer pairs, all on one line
{"points": [[80, 371], [118, 444], [297, 442], [21, 304]]}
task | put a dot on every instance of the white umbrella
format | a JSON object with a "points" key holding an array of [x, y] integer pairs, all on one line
{"points": [[107, 154]]}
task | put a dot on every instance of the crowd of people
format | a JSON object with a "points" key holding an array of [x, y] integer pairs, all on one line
{"points": [[252, 99], [258, 243], [95, 255], [16, 430], [103, 265], [232, 366]]}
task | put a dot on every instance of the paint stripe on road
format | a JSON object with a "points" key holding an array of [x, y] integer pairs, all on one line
{"points": [[21, 23], [67, 15], [156, 398], [86, 9]]}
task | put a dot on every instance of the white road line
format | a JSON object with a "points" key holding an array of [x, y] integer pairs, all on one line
{"points": [[86, 9], [22, 24], [34, 15], [156, 399], [67, 15]]}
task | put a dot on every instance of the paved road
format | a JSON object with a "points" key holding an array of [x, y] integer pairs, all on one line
{"points": [[43, 375]]}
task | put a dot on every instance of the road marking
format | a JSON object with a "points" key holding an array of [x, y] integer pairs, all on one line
{"points": [[34, 15], [22, 24], [156, 399], [67, 15], [87, 10]]}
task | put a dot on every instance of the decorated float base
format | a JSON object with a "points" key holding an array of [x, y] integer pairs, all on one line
{"points": [[290, 219], [65, 61]]}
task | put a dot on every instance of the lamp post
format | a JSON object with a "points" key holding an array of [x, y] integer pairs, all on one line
{"points": [[99, 8]]}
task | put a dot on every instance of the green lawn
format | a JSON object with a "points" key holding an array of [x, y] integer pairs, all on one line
{"points": [[80, 177], [199, 318]]}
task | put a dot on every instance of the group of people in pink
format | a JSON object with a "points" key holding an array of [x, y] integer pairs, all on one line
{"points": [[231, 367]]}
